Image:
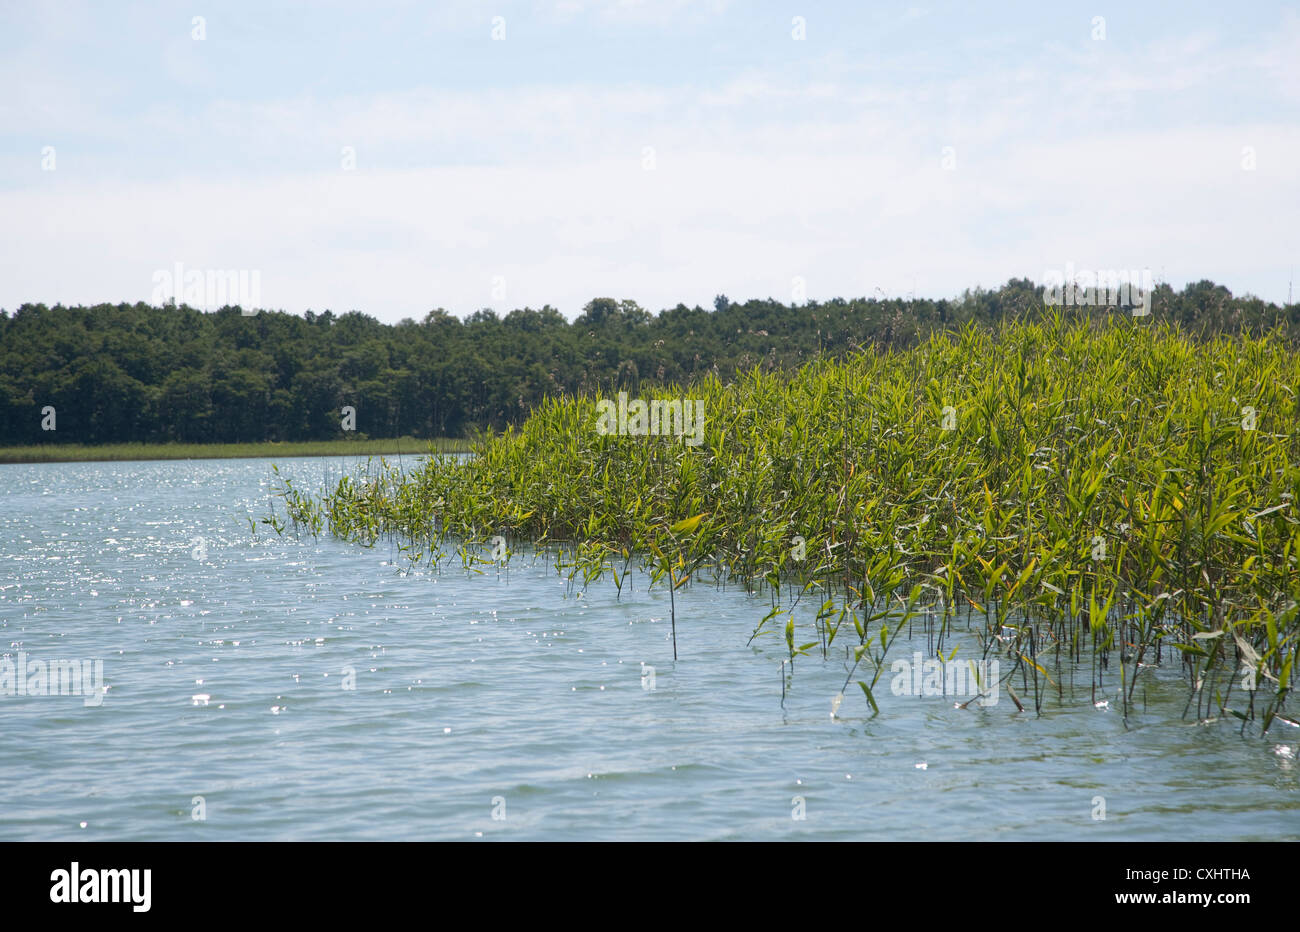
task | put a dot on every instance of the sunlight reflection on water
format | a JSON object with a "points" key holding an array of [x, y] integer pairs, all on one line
{"points": [[312, 689]]}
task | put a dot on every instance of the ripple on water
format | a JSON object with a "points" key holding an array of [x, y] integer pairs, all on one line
{"points": [[312, 689]]}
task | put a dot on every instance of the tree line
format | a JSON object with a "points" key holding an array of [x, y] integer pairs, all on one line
{"points": [[119, 373]]}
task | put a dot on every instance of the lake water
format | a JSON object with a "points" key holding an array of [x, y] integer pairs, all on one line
{"points": [[513, 705]]}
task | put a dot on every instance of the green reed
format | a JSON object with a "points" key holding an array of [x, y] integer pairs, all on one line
{"points": [[1070, 492]]}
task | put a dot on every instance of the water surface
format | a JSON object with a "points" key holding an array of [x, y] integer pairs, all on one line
{"points": [[226, 655]]}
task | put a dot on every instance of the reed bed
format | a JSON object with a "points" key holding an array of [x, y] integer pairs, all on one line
{"points": [[1114, 494]]}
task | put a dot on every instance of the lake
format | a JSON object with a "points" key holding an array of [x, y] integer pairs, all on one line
{"points": [[257, 686]]}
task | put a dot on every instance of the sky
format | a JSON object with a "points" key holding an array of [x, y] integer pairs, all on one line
{"points": [[393, 158]]}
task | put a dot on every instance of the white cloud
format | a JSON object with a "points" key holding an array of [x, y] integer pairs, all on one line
{"points": [[397, 243], [760, 176]]}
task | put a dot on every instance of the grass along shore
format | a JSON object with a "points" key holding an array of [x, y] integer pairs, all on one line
{"points": [[1114, 495], [66, 452]]}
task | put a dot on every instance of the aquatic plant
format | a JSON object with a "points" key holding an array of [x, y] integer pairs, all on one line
{"points": [[1066, 489]]}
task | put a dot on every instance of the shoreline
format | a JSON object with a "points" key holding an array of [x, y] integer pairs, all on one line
{"points": [[120, 452]]}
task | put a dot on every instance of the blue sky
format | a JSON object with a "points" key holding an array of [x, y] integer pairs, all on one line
{"points": [[659, 151]]}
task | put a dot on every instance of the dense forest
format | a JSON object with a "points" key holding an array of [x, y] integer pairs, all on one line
{"points": [[136, 373]]}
